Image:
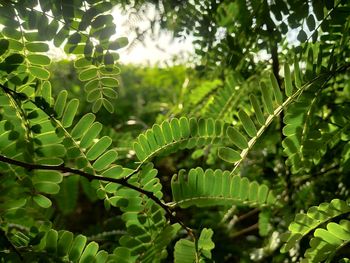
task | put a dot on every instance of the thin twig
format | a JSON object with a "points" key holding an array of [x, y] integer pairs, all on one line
{"points": [[246, 215], [245, 230]]}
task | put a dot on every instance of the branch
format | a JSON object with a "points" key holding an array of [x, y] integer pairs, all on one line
{"points": [[248, 214], [121, 181], [245, 230]]}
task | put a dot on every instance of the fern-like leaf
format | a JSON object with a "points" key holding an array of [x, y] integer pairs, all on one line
{"points": [[326, 242], [63, 245], [273, 105], [211, 188], [178, 134], [315, 216]]}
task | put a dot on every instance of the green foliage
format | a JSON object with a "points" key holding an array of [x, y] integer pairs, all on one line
{"points": [[325, 242], [269, 138], [178, 134], [185, 250], [316, 215], [217, 187]]}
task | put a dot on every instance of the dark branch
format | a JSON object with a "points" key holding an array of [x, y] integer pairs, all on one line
{"points": [[245, 230], [121, 181], [248, 214]]}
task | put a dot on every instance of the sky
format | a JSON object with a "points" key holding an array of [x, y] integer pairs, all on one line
{"points": [[151, 50], [159, 50]]}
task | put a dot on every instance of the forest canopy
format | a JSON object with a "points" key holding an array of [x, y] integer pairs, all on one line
{"points": [[240, 154]]}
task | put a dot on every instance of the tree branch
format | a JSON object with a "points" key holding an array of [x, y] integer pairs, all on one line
{"points": [[245, 230], [121, 181]]}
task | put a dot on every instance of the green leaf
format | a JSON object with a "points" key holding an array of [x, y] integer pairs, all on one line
{"points": [[39, 72], [60, 37], [310, 21], [101, 20], [51, 241], [83, 125], [185, 127], [74, 39], [115, 171], [297, 75], [110, 93], [204, 241], [70, 112], [37, 47], [87, 74], [38, 59], [264, 217], [338, 231], [42, 201], [288, 81], [107, 105], [82, 63], [64, 243], [109, 81], [244, 188], [89, 253], [97, 105], [267, 98], [167, 132], [263, 193], [4, 45], [15, 45], [101, 257], [229, 155], [61, 103], [108, 59], [98, 148], [327, 236], [141, 155], [276, 89], [56, 150], [105, 160], [90, 135], [47, 176], [118, 43], [47, 187], [93, 95], [11, 33], [302, 37], [184, 252], [77, 247], [175, 128], [257, 109], [12, 62], [248, 124], [317, 7], [237, 138], [67, 197]]}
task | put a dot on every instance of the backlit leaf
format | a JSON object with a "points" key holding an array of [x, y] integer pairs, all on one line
{"points": [[229, 155]]}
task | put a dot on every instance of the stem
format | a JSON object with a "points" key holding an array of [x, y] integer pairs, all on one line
{"points": [[245, 230], [248, 214], [121, 181], [327, 76]]}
